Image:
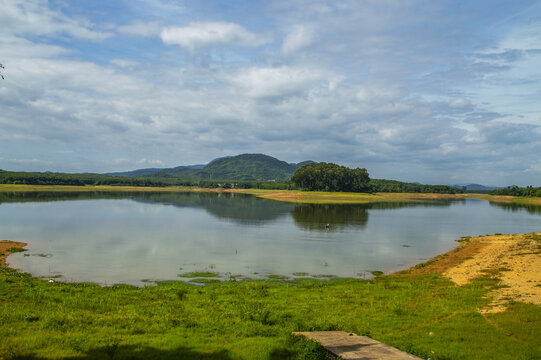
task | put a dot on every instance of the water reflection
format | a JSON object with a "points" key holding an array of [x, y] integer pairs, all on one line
{"points": [[241, 208], [128, 236], [512, 207], [245, 209], [317, 217]]}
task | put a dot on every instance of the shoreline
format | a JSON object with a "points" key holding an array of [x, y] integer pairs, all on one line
{"points": [[7, 244], [292, 196], [513, 259]]}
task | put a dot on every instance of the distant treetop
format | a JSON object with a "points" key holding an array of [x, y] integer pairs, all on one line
{"points": [[331, 177]]}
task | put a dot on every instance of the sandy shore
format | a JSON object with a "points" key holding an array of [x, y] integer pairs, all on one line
{"points": [[514, 259], [6, 244]]}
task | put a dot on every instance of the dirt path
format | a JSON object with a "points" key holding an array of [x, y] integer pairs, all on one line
{"points": [[4, 246], [515, 259]]}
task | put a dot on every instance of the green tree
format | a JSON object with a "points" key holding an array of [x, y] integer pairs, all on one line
{"points": [[331, 177]]}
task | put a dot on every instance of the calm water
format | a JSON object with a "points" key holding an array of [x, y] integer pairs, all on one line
{"points": [[111, 238]]}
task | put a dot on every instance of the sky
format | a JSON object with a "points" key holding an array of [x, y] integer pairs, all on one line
{"points": [[437, 92]]}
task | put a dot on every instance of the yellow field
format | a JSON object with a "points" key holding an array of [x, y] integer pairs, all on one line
{"points": [[321, 197]]}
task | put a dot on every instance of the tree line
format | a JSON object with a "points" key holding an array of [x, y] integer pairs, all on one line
{"points": [[332, 177], [324, 177], [518, 191], [380, 185], [38, 178]]}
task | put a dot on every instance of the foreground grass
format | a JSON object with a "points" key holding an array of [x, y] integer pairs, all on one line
{"points": [[423, 314]]}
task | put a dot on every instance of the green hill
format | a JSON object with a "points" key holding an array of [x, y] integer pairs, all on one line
{"points": [[245, 167]]}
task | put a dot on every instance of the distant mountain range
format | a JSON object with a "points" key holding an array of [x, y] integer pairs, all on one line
{"points": [[244, 167], [476, 187], [151, 171]]}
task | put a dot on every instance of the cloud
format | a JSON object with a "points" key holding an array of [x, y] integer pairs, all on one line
{"points": [[409, 94], [203, 34], [276, 82], [23, 164], [142, 28], [124, 63], [460, 103], [300, 38], [37, 18], [149, 162]]}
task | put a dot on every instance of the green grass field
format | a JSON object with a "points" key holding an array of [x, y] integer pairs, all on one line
{"points": [[424, 315]]}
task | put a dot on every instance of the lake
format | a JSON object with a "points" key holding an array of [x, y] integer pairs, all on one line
{"points": [[130, 238]]}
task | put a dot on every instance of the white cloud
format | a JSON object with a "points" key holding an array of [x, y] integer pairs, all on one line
{"points": [[142, 28], [300, 38], [270, 82], [28, 162], [149, 162], [124, 63], [460, 103], [36, 18], [203, 34]]}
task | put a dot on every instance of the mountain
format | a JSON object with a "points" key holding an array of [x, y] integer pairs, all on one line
{"points": [[152, 171], [248, 167], [244, 167], [477, 187]]}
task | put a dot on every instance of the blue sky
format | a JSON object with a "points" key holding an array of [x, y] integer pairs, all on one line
{"points": [[428, 91]]}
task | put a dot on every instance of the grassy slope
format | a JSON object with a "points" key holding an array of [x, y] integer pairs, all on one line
{"points": [[426, 315]]}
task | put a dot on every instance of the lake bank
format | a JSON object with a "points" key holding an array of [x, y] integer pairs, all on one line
{"points": [[421, 312], [7, 247], [321, 197], [293, 196], [514, 259]]}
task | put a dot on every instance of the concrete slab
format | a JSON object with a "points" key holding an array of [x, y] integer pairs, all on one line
{"points": [[354, 347]]}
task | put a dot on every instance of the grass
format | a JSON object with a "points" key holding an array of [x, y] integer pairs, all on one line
{"points": [[521, 200], [277, 277], [204, 280], [15, 250], [322, 197], [254, 319]]}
